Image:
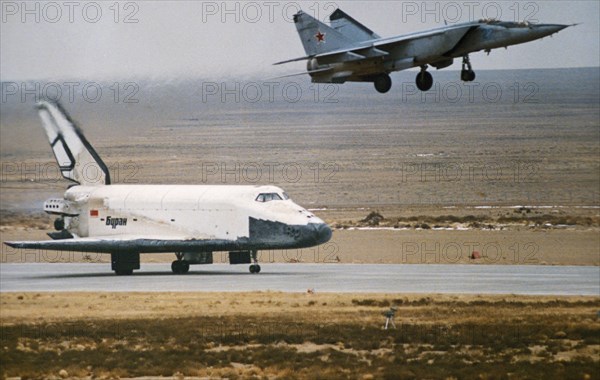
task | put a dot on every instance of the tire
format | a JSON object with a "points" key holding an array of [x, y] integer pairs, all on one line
{"points": [[59, 224], [467, 75], [424, 81], [254, 268], [471, 76], [383, 83], [178, 267]]}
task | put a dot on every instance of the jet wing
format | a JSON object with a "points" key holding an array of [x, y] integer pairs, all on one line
{"points": [[380, 47], [343, 55], [388, 43], [127, 243], [318, 71]]}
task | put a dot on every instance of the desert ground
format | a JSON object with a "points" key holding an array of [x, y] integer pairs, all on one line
{"points": [[268, 335]]}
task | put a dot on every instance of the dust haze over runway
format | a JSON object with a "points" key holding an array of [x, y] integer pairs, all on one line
{"points": [[338, 278]]}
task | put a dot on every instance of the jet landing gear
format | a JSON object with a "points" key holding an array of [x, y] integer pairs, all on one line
{"points": [[180, 266], [424, 79], [383, 83], [254, 268], [467, 74]]}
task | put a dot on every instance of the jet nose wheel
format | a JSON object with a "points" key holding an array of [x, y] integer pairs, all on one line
{"points": [[424, 80], [383, 83], [254, 268]]}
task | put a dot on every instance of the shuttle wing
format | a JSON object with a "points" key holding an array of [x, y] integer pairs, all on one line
{"points": [[89, 244], [127, 243]]}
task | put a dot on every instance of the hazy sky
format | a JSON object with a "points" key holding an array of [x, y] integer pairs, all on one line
{"points": [[130, 39]]}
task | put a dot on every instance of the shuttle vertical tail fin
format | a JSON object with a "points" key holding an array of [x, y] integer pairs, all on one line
{"points": [[76, 158]]}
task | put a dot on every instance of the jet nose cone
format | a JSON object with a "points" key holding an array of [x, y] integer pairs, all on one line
{"points": [[548, 29], [322, 233]]}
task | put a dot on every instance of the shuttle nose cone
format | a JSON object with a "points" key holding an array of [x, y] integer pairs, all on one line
{"points": [[322, 233]]}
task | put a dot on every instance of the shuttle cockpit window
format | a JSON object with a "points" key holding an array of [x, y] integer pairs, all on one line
{"points": [[268, 197]]}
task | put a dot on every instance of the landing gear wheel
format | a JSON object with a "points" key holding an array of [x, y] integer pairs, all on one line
{"points": [[124, 272], [424, 80], [185, 267], [254, 268], [383, 83], [59, 224], [180, 267], [467, 74]]}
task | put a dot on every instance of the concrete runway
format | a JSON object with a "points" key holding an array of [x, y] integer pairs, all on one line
{"points": [[345, 278]]}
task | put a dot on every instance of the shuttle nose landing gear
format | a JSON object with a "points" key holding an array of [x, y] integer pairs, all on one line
{"points": [[180, 266], [59, 224], [254, 268], [467, 74], [424, 79]]}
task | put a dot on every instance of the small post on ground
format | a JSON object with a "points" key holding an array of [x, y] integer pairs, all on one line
{"points": [[389, 317]]}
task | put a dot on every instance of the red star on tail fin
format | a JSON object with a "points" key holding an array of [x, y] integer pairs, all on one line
{"points": [[320, 36]]}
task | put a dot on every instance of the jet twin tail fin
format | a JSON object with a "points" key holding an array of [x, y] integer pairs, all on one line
{"points": [[317, 37], [76, 158], [348, 26]]}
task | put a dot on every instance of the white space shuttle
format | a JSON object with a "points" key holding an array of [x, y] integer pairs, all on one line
{"points": [[191, 221]]}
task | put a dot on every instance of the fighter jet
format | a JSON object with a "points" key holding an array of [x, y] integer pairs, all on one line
{"points": [[347, 51], [191, 221]]}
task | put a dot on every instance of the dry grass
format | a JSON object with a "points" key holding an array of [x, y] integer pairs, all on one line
{"points": [[266, 335]]}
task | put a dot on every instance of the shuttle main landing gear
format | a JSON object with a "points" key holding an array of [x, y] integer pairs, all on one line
{"points": [[424, 79], [467, 74], [180, 266], [124, 263], [254, 268]]}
